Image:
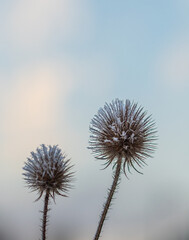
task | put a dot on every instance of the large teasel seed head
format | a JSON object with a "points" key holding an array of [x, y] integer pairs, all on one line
{"points": [[48, 169], [122, 129]]}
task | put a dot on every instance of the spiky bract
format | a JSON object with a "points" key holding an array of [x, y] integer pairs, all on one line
{"points": [[48, 169], [122, 129]]}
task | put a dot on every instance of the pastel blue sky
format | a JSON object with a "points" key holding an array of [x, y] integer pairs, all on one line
{"points": [[60, 60]]}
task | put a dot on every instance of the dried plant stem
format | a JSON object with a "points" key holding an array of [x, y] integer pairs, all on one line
{"points": [[45, 211], [109, 199]]}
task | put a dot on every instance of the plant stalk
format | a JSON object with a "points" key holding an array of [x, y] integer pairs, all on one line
{"points": [[109, 199], [45, 211]]}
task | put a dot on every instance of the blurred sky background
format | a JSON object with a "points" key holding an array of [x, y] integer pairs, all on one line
{"points": [[60, 60]]}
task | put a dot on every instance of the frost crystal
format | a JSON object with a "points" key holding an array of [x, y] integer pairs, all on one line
{"points": [[115, 139], [122, 129], [48, 169]]}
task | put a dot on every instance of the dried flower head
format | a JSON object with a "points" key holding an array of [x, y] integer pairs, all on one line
{"points": [[122, 129], [48, 169]]}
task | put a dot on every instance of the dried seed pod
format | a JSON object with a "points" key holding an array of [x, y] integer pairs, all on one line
{"points": [[48, 169], [122, 129]]}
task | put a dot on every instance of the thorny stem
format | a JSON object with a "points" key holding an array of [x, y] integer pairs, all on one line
{"points": [[45, 211], [109, 199]]}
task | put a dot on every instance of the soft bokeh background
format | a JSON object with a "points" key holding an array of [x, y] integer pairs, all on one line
{"points": [[60, 60]]}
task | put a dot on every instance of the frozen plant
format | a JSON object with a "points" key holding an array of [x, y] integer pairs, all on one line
{"points": [[123, 135], [47, 171]]}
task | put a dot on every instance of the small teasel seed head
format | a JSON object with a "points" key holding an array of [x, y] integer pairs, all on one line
{"points": [[48, 169], [123, 129]]}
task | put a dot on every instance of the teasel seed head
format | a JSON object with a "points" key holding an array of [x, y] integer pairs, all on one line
{"points": [[48, 169], [123, 129]]}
